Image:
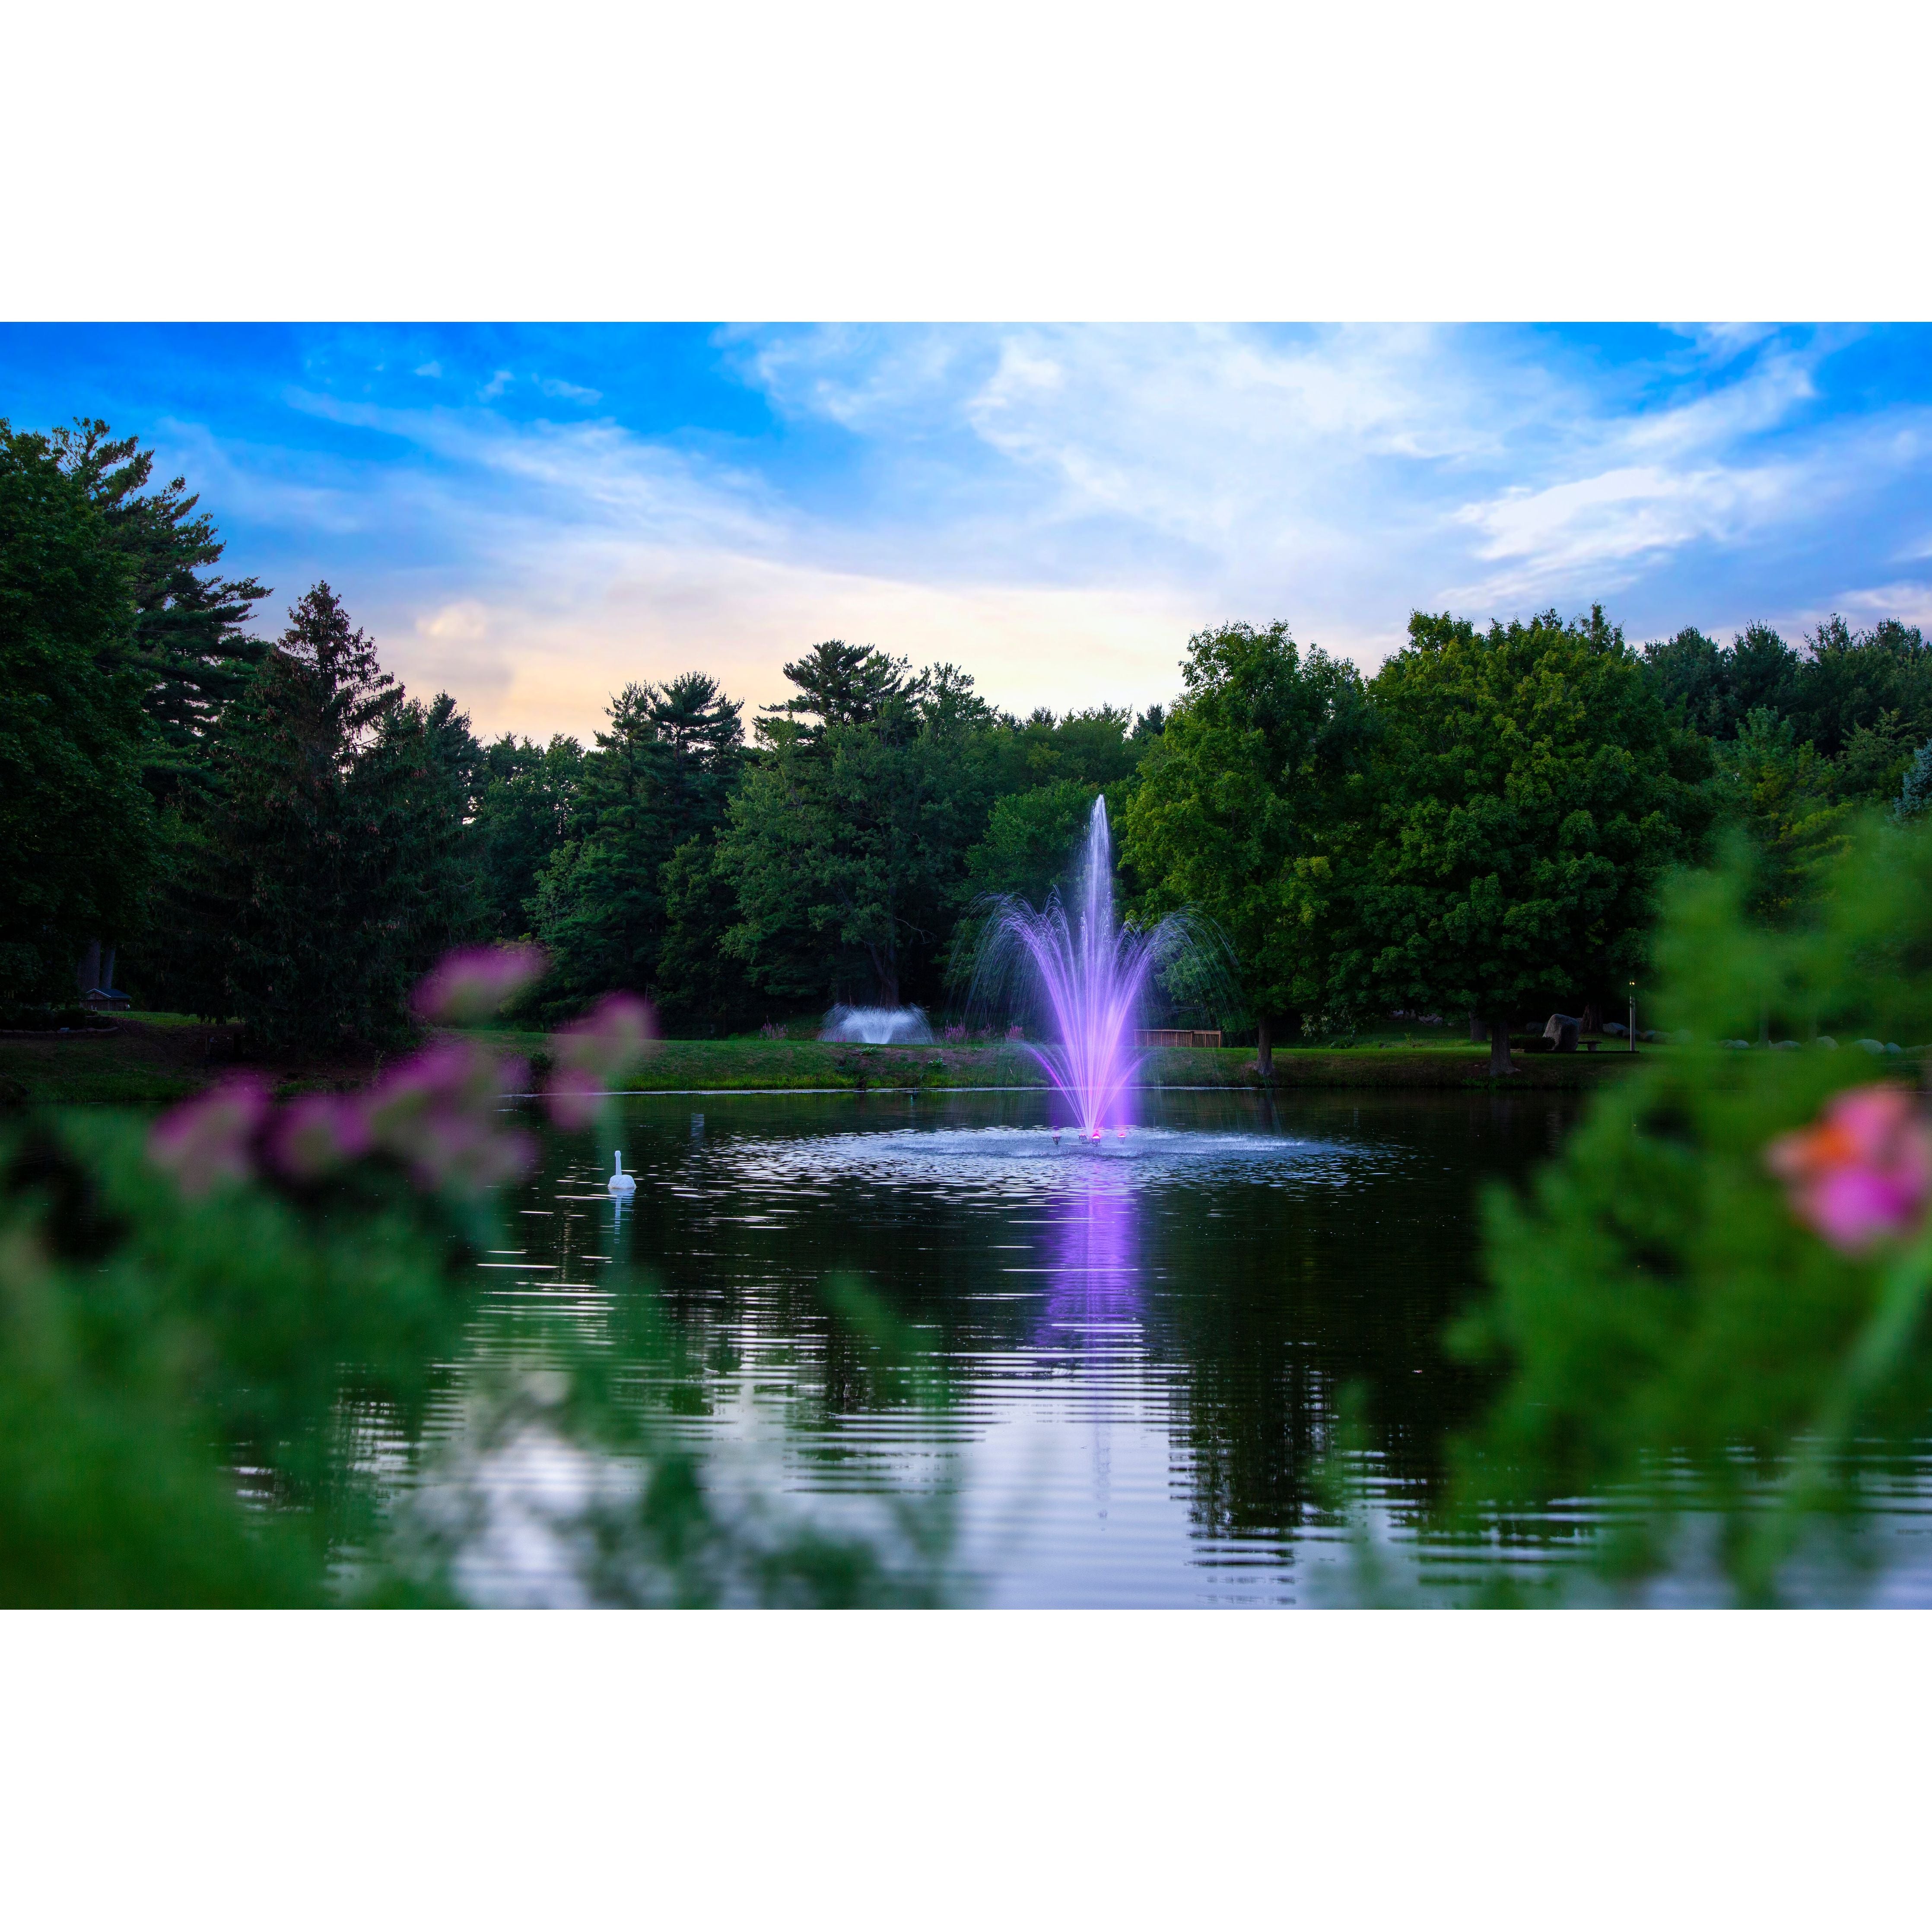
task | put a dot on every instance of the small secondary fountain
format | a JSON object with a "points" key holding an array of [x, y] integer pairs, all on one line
{"points": [[1090, 976], [876, 1026]]}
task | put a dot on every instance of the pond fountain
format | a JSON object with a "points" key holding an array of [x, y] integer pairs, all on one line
{"points": [[1086, 976], [876, 1026]]}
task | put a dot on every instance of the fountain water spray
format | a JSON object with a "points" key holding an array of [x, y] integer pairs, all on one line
{"points": [[877, 1026], [1090, 976]]}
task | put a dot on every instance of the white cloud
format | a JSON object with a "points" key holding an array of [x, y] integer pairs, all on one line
{"points": [[429, 369], [1616, 518], [551, 386], [1909, 602], [495, 387], [1057, 508]]}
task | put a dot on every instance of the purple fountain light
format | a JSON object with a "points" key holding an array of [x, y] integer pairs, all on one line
{"points": [[1091, 976]]}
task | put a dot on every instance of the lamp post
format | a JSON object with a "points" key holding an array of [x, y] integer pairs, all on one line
{"points": [[1633, 1016]]}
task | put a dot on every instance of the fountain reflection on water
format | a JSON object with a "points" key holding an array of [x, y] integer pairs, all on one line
{"points": [[1095, 1251], [1088, 976]]}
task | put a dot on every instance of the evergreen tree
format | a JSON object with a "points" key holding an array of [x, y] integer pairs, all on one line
{"points": [[1874, 760], [1782, 793], [839, 684], [330, 872], [846, 840], [188, 638], [1915, 790], [526, 810], [77, 829], [1712, 689], [702, 990], [424, 773], [1848, 679], [659, 777]]}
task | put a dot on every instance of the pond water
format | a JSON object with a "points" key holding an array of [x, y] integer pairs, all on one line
{"points": [[1119, 1364]]}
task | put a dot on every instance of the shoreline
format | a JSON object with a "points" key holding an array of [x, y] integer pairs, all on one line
{"points": [[154, 1062]]}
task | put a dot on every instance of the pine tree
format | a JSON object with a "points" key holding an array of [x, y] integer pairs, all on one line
{"points": [[331, 862], [658, 778], [188, 640], [1914, 793], [76, 829], [524, 812]]}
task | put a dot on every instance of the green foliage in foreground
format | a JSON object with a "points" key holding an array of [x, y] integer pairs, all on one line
{"points": [[207, 1403], [1673, 1335]]}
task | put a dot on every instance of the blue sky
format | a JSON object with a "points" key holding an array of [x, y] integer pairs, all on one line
{"points": [[530, 516]]}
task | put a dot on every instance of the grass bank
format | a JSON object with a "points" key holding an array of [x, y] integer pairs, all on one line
{"points": [[723, 1065], [158, 1058], [144, 1062]]}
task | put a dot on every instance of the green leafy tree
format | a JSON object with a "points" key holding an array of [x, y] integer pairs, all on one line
{"points": [[77, 836], [1528, 790], [1031, 838], [1240, 803], [1099, 747]]}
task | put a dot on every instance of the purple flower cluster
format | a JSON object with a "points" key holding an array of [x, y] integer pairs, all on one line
{"points": [[213, 1137], [439, 1113], [478, 983], [595, 1054]]}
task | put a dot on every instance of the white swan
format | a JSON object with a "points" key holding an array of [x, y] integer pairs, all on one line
{"points": [[621, 1183]]}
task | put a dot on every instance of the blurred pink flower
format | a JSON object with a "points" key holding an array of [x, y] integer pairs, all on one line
{"points": [[595, 1054], [315, 1135], [465, 1152], [211, 1138], [572, 1097], [475, 984], [438, 1112], [1863, 1172]]}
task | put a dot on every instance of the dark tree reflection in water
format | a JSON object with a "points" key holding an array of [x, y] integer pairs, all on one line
{"points": [[1143, 1345]]}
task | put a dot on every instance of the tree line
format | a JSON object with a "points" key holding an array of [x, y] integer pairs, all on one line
{"points": [[275, 831]]}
